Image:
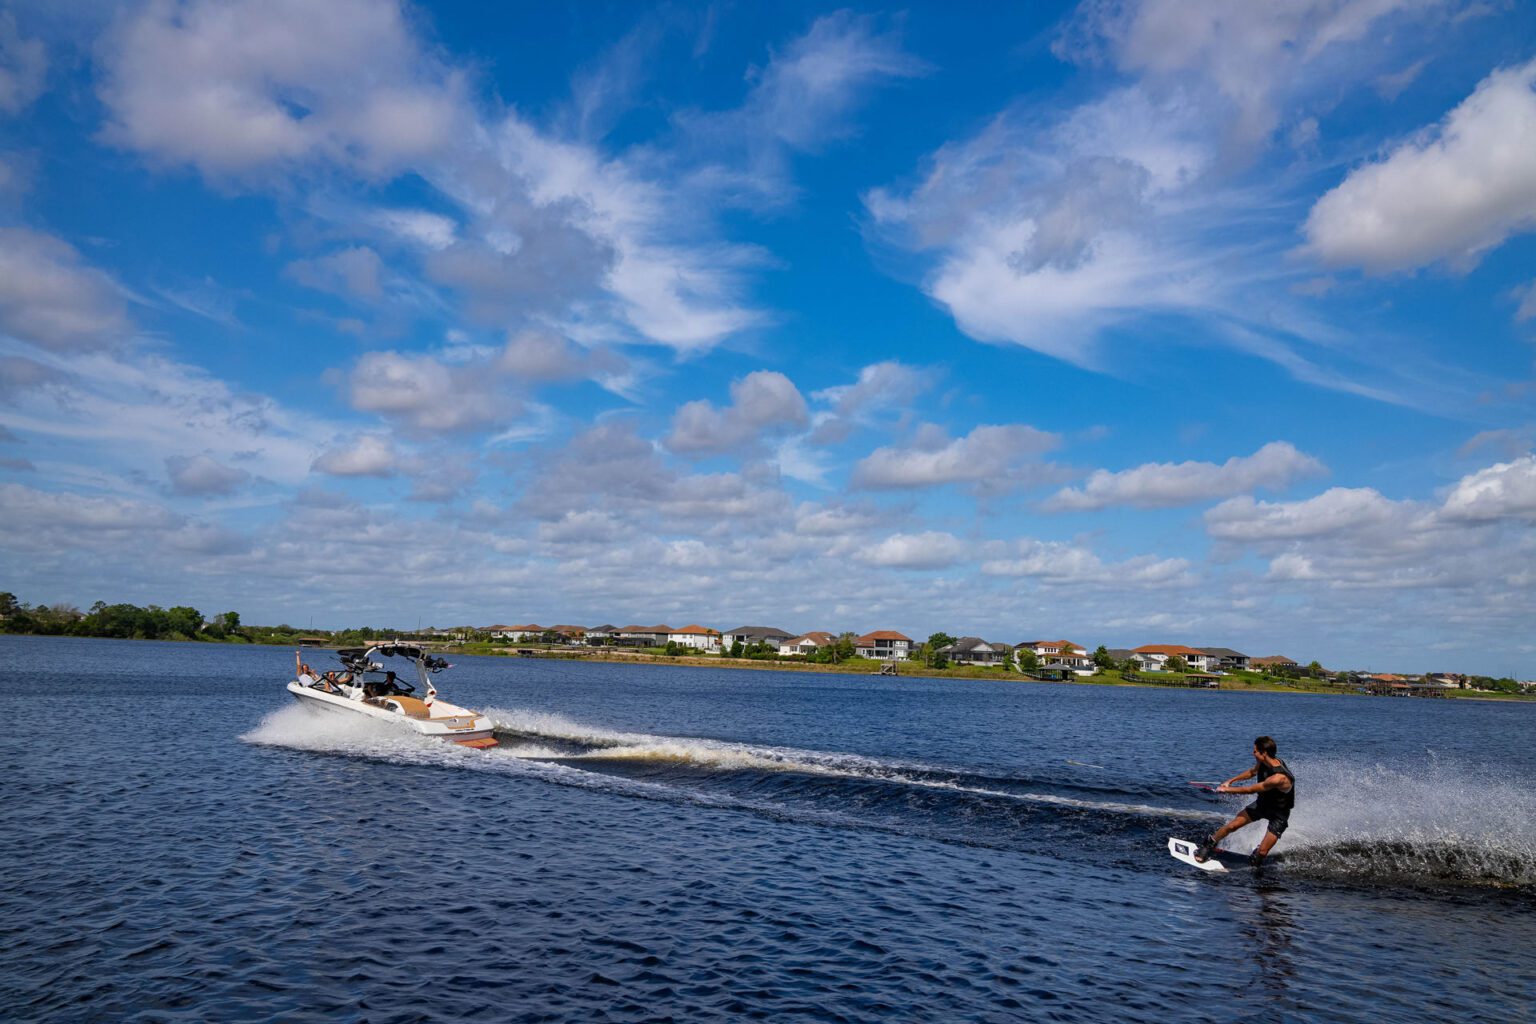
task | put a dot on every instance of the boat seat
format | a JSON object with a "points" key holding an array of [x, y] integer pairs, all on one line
{"points": [[412, 707]]}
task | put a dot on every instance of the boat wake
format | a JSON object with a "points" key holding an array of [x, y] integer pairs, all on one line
{"points": [[1435, 827]]}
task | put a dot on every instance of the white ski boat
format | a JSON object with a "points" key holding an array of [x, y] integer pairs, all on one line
{"points": [[366, 688]]}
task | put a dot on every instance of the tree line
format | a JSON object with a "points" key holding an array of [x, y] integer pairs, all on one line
{"points": [[151, 622]]}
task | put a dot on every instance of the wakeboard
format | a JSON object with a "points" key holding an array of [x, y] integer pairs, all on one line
{"points": [[1220, 862]]}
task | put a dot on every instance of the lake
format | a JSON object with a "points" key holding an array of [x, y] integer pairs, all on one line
{"points": [[183, 844]]}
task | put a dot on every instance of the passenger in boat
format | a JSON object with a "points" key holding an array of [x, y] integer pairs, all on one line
{"points": [[306, 674]]}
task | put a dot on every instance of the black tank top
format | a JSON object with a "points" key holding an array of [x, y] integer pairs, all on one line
{"points": [[1275, 799]]}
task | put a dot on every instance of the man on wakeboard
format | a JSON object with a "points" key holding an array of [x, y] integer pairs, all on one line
{"points": [[1276, 788]]}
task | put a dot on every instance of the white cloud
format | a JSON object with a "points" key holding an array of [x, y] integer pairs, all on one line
{"points": [[1452, 193], [48, 296], [366, 455], [431, 231], [1477, 541], [28, 509], [1337, 510], [23, 66], [990, 457], [762, 401], [1527, 296], [541, 355], [1503, 490], [425, 394], [130, 409], [1168, 484], [932, 549], [880, 386], [243, 87], [356, 270], [1058, 563], [201, 475], [1255, 58]]}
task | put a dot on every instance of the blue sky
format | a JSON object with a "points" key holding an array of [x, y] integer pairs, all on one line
{"points": [[1145, 322]]}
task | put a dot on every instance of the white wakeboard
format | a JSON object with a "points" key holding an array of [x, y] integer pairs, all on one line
{"points": [[1184, 850]]}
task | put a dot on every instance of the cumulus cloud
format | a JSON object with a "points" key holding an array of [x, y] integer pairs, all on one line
{"points": [[762, 401], [1168, 484], [366, 455], [48, 296], [23, 66], [426, 394], [989, 457], [235, 89], [932, 549], [1476, 540], [542, 355], [1503, 490], [199, 475], [1452, 193], [1058, 563], [1337, 510]]}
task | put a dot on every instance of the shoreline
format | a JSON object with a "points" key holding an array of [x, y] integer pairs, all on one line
{"points": [[1103, 678], [1111, 677]]}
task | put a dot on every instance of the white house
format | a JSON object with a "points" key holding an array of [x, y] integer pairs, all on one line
{"points": [[754, 635], [527, 632], [699, 638], [806, 644]]}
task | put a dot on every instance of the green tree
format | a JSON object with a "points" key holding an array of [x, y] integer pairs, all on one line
{"points": [[184, 620], [1315, 670], [8, 604], [1027, 660], [1176, 664], [1101, 657], [933, 655], [736, 649]]}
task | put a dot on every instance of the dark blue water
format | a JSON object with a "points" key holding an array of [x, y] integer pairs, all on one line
{"points": [[698, 845]]}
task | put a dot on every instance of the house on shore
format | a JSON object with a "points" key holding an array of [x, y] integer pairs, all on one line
{"points": [[1271, 662], [1155, 657], [1120, 655], [644, 636], [973, 650], [745, 635], [530, 631], [601, 636], [570, 634], [1050, 650], [1227, 660], [884, 645], [699, 638], [806, 644]]}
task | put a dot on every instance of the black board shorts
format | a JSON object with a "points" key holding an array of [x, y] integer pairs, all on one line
{"points": [[1279, 820]]}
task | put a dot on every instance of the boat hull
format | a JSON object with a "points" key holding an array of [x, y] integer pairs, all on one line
{"points": [[447, 722]]}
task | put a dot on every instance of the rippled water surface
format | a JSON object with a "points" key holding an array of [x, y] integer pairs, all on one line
{"points": [[698, 844]]}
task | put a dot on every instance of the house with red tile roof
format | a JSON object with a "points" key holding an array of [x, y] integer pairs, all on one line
{"points": [[884, 644]]}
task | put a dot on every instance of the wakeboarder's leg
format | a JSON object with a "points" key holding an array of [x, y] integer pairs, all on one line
{"points": [[1209, 846]]}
